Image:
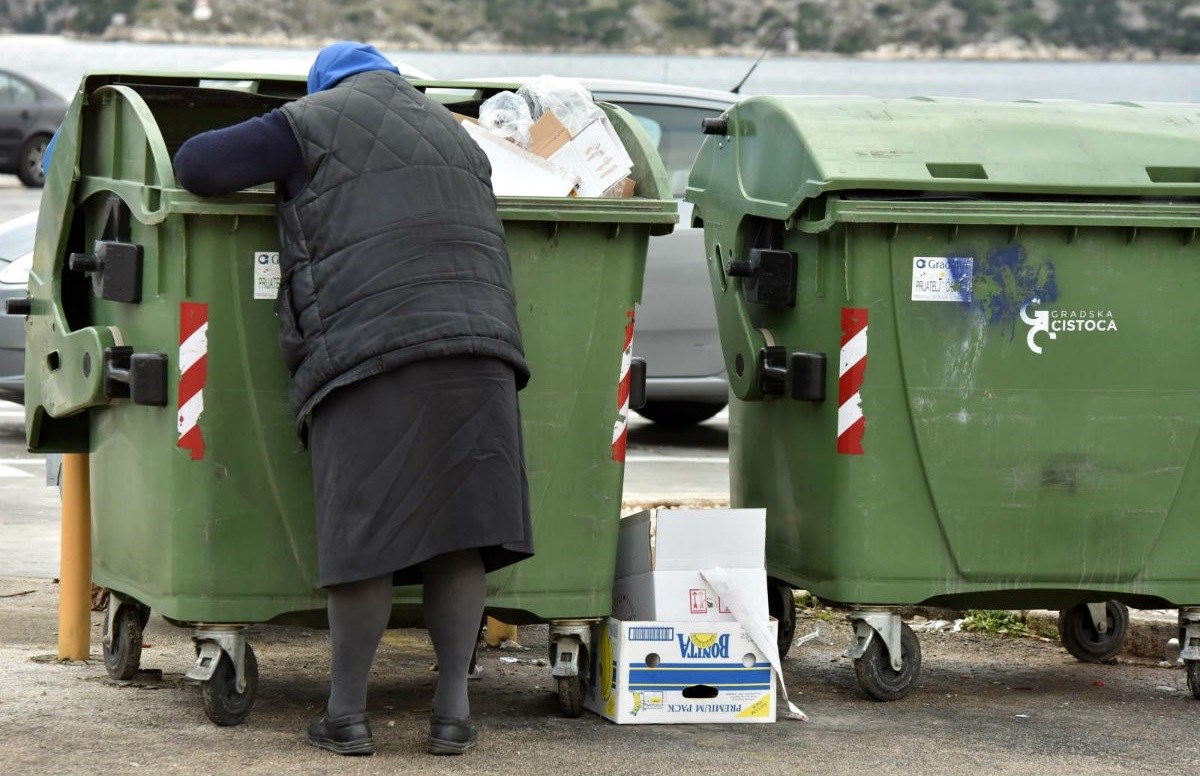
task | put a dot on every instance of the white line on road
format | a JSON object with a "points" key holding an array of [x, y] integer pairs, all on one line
{"points": [[23, 461], [675, 459], [12, 471]]}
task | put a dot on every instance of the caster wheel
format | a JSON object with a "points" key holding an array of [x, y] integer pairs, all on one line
{"points": [[875, 673], [1080, 637], [223, 704], [572, 689], [570, 696], [782, 606], [1193, 677], [123, 652]]}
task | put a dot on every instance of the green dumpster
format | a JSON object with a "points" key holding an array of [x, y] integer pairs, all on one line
{"points": [[152, 345], [958, 334]]}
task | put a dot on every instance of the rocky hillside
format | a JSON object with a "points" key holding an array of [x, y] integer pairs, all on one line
{"points": [[1032, 28]]}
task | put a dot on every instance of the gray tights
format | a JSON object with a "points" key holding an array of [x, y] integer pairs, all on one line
{"points": [[453, 605]]}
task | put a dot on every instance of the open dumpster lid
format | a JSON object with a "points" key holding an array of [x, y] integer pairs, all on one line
{"points": [[780, 151]]}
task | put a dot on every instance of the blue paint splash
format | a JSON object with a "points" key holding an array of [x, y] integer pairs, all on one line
{"points": [[962, 276], [1006, 280]]}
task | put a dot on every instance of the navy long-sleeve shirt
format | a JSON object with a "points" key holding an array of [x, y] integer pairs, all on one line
{"points": [[259, 150]]}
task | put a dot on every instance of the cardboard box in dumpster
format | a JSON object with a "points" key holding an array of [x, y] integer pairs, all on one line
{"points": [[662, 552], [678, 672], [596, 154], [683, 595], [517, 172]]}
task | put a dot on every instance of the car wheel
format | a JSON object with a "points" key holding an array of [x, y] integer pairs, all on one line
{"points": [[680, 413], [29, 163]]}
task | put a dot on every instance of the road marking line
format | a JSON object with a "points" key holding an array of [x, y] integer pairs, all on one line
{"points": [[12, 471], [673, 459], [23, 461]]}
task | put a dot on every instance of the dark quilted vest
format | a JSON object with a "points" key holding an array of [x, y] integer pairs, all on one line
{"points": [[394, 252]]}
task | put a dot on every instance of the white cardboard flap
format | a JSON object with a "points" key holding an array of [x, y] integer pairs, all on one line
{"points": [[691, 540], [633, 545], [518, 173], [751, 614]]}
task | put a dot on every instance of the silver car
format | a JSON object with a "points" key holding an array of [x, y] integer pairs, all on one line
{"points": [[676, 329], [29, 114], [16, 260]]}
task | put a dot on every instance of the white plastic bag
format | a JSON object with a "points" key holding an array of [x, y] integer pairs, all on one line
{"points": [[507, 115], [565, 98]]}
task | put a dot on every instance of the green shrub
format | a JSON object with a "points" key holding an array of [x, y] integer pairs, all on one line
{"points": [[995, 621]]}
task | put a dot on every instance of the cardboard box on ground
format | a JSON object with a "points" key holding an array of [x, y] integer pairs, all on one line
{"points": [[679, 672], [674, 650], [591, 163]]}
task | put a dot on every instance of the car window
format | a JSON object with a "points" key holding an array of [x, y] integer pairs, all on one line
{"points": [[653, 129], [21, 91], [677, 132]]}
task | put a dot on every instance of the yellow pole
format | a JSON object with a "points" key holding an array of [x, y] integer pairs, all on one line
{"points": [[75, 561]]}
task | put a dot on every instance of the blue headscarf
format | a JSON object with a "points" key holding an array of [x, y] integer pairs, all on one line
{"points": [[345, 58]]}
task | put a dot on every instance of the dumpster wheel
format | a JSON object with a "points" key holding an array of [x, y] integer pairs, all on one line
{"points": [[223, 704], [572, 689], [781, 604], [122, 640], [874, 669], [1080, 636], [570, 662], [1193, 677]]}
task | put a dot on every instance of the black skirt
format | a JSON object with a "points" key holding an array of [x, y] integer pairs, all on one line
{"points": [[417, 462]]}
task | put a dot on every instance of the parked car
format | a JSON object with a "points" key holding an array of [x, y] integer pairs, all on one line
{"points": [[676, 329], [16, 260], [29, 114]]}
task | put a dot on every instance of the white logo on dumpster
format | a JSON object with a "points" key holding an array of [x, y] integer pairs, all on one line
{"points": [[1055, 322]]}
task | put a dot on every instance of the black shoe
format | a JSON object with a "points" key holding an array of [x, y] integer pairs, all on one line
{"points": [[452, 736], [350, 734]]}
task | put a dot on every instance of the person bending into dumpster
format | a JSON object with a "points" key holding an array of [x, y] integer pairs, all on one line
{"points": [[398, 326]]}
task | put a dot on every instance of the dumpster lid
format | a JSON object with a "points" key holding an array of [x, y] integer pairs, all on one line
{"points": [[781, 151]]}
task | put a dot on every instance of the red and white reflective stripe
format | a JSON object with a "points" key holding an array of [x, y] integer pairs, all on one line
{"points": [[621, 426], [193, 372], [851, 423]]}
